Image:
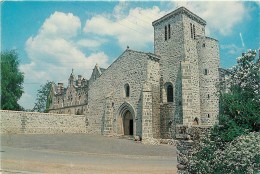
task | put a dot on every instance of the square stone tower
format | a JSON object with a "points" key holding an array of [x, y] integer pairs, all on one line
{"points": [[188, 67]]}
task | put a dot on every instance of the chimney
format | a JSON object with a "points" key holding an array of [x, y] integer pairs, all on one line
{"points": [[59, 88], [79, 80], [84, 82]]}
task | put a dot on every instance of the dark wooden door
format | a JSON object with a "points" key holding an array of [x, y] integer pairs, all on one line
{"points": [[131, 127]]}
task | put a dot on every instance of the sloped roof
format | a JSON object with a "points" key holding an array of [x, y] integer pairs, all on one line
{"points": [[181, 10]]}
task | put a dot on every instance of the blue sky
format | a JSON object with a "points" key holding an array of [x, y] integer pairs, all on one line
{"points": [[51, 38]]}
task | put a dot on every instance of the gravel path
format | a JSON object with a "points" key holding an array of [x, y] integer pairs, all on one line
{"points": [[83, 153]]}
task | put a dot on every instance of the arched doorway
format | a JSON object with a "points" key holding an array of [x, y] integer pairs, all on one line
{"points": [[126, 120], [128, 123]]}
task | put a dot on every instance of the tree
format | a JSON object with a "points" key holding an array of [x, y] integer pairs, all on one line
{"points": [[228, 148], [41, 104], [240, 107], [11, 81]]}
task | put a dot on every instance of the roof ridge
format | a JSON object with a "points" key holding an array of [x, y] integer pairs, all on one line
{"points": [[180, 10]]}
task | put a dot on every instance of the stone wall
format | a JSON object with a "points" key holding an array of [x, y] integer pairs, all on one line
{"points": [[186, 141], [132, 68], [153, 78], [179, 38], [208, 51], [171, 51], [191, 97], [166, 120], [41, 123], [147, 115]]}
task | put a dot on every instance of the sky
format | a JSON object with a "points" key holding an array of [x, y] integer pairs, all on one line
{"points": [[54, 37]]}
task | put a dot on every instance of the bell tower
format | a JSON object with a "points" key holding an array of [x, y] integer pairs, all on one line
{"points": [[176, 37]]}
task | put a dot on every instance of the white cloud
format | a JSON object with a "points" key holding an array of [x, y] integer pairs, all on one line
{"points": [[220, 16], [133, 26], [55, 50], [133, 29], [121, 9], [27, 100], [61, 25], [91, 43]]}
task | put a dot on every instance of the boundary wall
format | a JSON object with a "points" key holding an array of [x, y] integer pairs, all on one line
{"points": [[18, 122]]}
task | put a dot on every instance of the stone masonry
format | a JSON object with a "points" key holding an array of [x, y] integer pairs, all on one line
{"points": [[17, 122], [149, 94]]}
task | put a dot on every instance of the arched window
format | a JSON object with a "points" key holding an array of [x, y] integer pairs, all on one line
{"points": [[196, 121], [127, 90], [169, 93]]}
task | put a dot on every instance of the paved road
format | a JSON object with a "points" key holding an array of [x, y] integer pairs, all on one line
{"points": [[82, 153]]}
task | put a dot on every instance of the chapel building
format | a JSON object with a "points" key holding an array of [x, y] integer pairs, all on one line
{"points": [[148, 94]]}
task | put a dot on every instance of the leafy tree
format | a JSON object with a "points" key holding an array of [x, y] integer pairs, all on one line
{"points": [[239, 124], [11, 81], [240, 156], [41, 104], [240, 107]]}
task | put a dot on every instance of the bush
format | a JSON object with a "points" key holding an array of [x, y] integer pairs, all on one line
{"points": [[233, 146], [241, 156]]}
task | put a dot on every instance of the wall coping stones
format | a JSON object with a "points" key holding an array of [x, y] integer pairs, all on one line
{"points": [[68, 115]]}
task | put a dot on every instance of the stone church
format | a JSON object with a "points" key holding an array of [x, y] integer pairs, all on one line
{"points": [[148, 94]]}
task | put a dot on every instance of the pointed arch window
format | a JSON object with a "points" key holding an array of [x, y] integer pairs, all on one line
{"points": [[169, 93], [127, 90], [165, 32]]}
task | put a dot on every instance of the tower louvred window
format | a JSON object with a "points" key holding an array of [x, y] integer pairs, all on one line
{"points": [[191, 31], [194, 32], [165, 32], [169, 31]]}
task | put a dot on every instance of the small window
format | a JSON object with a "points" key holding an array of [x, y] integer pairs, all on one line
{"points": [[205, 71], [169, 93], [208, 116], [113, 104], [169, 31], [203, 45], [208, 96], [165, 32], [127, 90], [196, 121], [194, 32], [191, 31]]}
